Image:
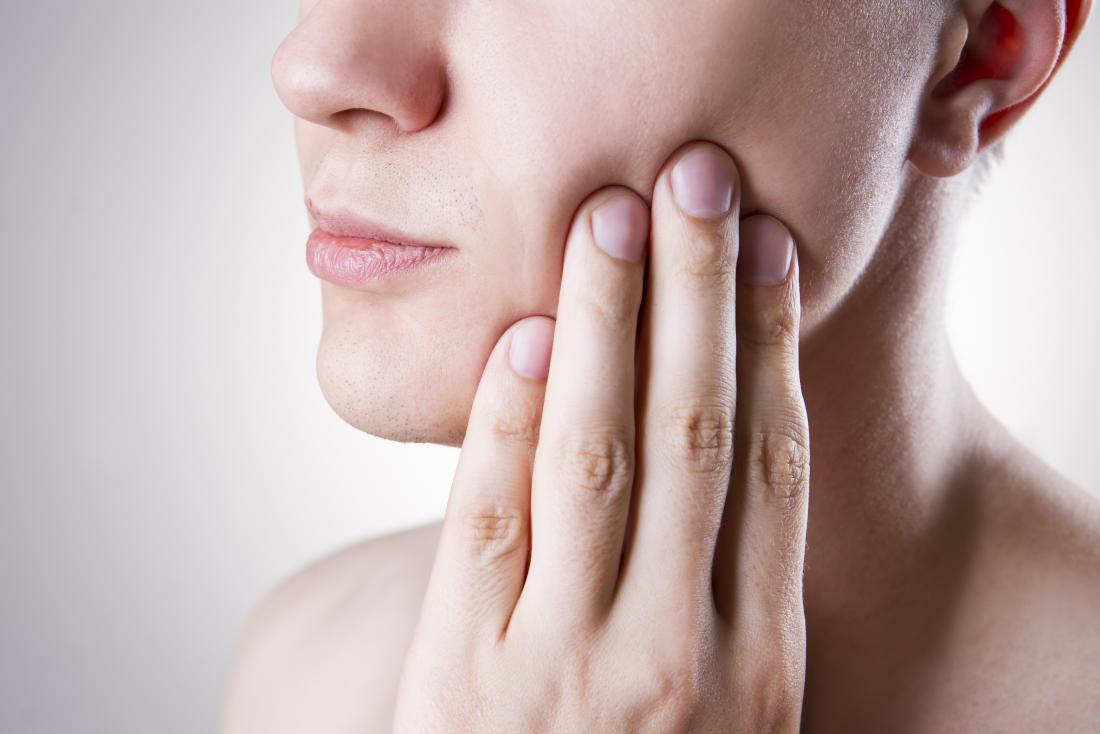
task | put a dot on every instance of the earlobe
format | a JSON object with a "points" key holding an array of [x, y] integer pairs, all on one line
{"points": [[1009, 52]]}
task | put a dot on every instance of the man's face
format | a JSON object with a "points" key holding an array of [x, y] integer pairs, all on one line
{"points": [[485, 124]]}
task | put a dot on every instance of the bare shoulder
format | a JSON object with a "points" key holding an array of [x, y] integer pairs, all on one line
{"points": [[1044, 557], [1026, 643], [1041, 520], [322, 652]]}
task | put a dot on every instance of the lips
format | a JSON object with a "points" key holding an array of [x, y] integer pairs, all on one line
{"points": [[355, 252], [343, 223]]}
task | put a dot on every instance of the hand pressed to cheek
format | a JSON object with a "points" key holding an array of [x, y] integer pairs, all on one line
{"points": [[659, 627]]}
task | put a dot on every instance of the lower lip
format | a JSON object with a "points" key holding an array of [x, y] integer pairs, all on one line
{"points": [[356, 262]]}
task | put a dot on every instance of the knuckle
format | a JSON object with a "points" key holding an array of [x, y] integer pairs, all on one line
{"points": [[515, 423], [677, 690], [599, 464], [492, 528], [778, 695], [610, 302], [698, 436], [662, 694], [707, 263], [772, 324], [673, 700], [779, 455]]}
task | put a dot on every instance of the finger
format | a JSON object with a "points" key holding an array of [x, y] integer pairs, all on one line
{"points": [[584, 466], [481, 558], [688, 353], [761, 567]]}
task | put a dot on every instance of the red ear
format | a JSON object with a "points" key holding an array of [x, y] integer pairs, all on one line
{"points": [[990, 53], [1009, 57], [1077, 12]]}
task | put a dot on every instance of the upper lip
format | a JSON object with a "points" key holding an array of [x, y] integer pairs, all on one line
{"points": [[345, 223]]}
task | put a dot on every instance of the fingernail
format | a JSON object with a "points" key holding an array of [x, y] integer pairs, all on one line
{"points": [[529, 353], [702, 182], [620, 227], [765, 252]]}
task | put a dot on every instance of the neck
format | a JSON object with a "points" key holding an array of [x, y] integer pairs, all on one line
{"points": [[892, 420]]}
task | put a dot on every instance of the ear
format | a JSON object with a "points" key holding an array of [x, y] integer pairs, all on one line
{"points": [[994, 60]]}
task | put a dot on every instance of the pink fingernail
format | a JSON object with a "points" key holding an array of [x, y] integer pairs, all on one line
{"points": [[702, 182], [529, 353], [621, 226], [765, 252]]}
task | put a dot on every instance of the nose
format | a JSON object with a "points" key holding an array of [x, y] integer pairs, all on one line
{"points": [[352, 56]]}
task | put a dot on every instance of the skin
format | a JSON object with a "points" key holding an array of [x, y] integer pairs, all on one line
{"points": [[951, 578], [591, 628]]}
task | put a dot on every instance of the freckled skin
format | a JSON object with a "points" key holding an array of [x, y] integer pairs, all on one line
{"points": [[952, 579]]}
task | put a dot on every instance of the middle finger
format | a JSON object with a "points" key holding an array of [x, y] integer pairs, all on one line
{"points": [[687, 389]]}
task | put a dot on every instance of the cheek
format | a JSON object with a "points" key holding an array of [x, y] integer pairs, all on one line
{"points": [[540, 120], [576, 118], [825, 144], [820, 131]]}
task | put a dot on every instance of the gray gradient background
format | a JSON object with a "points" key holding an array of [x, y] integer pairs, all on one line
{"points": [[166, 455]]}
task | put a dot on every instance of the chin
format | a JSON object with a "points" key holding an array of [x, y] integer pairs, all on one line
{"points": [[409, 391]]}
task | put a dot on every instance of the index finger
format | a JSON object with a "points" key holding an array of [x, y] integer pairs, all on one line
{"points": [[584, 464]]}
